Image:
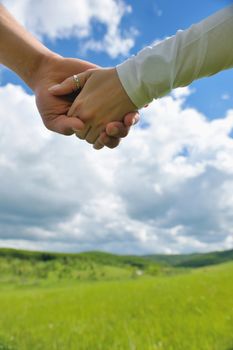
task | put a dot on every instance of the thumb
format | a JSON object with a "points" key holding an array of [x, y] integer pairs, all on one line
{"points": [[69, 85]]}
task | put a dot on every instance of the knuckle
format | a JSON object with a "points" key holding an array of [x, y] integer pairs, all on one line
{"points": [[88, 114], [48, 126]]}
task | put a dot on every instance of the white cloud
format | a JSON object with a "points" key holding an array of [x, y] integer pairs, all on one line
{"points": [[63, 19], [168, 188]]}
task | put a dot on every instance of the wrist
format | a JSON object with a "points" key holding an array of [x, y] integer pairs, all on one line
{"points": [[43, 64]]}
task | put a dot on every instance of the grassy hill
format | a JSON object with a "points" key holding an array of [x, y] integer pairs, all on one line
{"points": [[23, 266], [31, 267], [193, 260], [103, 258], [87, 257]]}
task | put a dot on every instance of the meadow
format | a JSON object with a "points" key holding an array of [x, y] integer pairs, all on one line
{"points": [[109, 306]]}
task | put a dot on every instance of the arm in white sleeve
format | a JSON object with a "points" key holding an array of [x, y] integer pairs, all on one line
{"points": [[202, 50]]}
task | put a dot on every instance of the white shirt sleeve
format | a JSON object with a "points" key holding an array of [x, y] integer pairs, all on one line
{"points": [[202, 50]]}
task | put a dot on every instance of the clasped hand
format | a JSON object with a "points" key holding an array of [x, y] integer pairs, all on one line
{"points": [[102, 100]]}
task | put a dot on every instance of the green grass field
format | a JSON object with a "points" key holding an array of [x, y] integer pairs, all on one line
{"points": [[190, 310]]}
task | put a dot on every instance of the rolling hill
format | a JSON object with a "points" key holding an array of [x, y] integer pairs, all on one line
{"points": [[193, 260]]}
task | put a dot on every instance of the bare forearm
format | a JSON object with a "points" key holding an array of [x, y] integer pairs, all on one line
{"points": [[19, 50]]}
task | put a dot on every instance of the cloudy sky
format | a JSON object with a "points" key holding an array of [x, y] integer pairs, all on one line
{"points": [[168, 187]]}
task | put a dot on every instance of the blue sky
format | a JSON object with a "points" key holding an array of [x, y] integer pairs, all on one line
{"points": [[167, 188]]}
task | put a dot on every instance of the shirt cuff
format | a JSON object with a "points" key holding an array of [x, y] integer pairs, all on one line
{"points": [[128, 75]]}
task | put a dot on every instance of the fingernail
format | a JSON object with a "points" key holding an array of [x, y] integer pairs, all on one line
{"points": [[114, 131], [98, 147], [54, 87], [134, 121]]}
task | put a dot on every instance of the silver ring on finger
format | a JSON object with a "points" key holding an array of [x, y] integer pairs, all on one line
{"points": [[77, 81]]}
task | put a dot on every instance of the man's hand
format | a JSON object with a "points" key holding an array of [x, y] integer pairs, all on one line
{"points": [[53, 110]]}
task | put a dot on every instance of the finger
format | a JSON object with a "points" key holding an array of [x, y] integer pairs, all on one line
{"points": [[105, 140], [117, 129], [74, 110], [69, 85], [131, 118], [98, 141], [64, 125], [111, 142], [81, 134], [66, 87], [93, 134], [98, 145]]}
